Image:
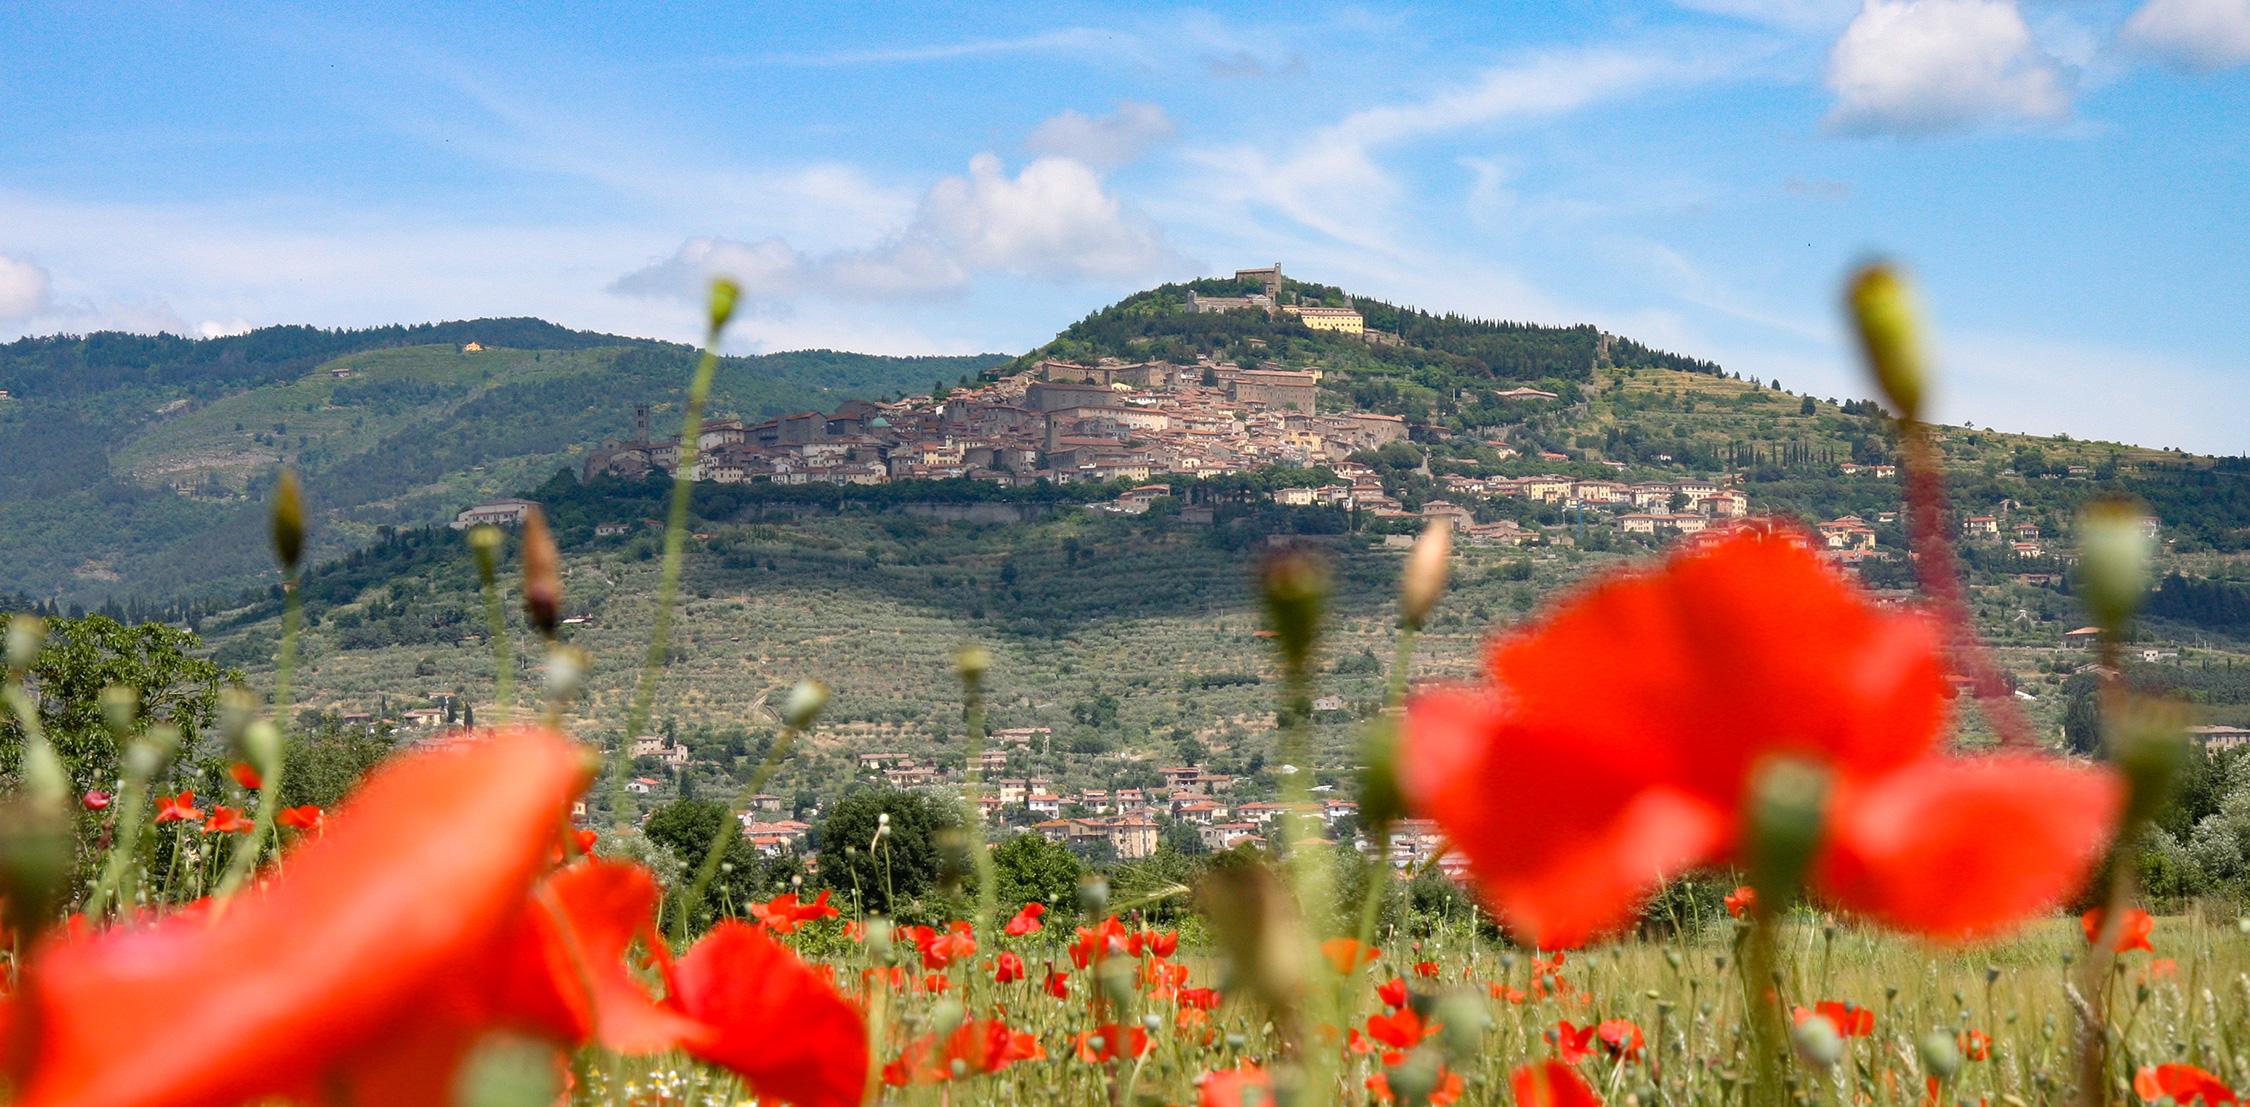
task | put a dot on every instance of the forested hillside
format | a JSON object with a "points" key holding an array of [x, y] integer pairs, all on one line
{"points": [[137, 465]]}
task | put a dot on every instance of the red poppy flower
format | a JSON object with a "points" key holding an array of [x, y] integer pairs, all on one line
{"points": [[1551, 1084], [226, 820], [306, 818], [1573, 1043], [981, 1046], [329, 963], [1161, 943], [1058, 984], [1026, 920], [246, 775], [1621, 1037], [1849, 1019], [775, 1020], [1245, 1085], [1007, 968], [95, 800], [1392, 992], [1346, 954], [1401, 1030], [1976, 1045], [1100, 940], [585, 840], [178, 809], [957, 942], [2182, 1084], [783, 914], [1201, 999], [1108, 1043], [1742, 901], [1659, 696], [2133, 933]]}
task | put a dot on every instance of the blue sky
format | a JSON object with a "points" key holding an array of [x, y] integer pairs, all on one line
{"points": [[2068, 179]]}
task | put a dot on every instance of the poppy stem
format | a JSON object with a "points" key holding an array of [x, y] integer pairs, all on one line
{"points": [[728, 830], [496, 624], [1938, 568], [668, 579]]}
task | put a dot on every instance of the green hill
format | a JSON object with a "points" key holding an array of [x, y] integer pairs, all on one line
{"points": [[137, 465]]}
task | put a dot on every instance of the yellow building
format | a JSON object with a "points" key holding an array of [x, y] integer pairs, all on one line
{"points": [[473, 347], [1341, 320]]}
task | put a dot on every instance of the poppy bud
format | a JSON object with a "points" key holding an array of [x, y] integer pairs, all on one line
{"points": [[145, 758], [806, 700], [35, 853], [1381, 802], [1093, 895], [1413, 1079], [261, 746], [877, 931], [1462, 1019], [724, 293], [1817, 1041], [508, 1071], [288, 520], [1294, 584], [237, 707], [946, 1016], [1424, 579], [565, 670], [2113, 555], [542, 574], [46, 784], [1883, 308], [971, 662], [1941, 1055], [1788, 801], [2148, 742], [484, 542], [121, 708], [25, 633]]}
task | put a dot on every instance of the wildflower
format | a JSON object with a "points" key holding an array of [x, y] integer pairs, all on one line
{"points": [[1346, 954], [1100, 940], [307, 818], [1849, 1019], [1160, 943], [2183, 1084], [2133, 931], [1202, 999], [95, 800], [783, 914], [1108, 1043], [246, 774], [1621, 1037], [585, 839], [1058, 984], [1573, 1043], [1427, 970], [773, 1019], [1401, 1030], [1976, 1045], [1661, 697], [939, 948], [1392, 992], [226, 820], [1026, 921], [975, 1048], [178, 809], [1245, 1085], [1007, 968], [1551, 1084], [1742, 901]]}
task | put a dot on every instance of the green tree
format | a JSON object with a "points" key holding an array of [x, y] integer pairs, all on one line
{"points": [[1028, 867], [884, 872], [686, 827], [83, 656]]}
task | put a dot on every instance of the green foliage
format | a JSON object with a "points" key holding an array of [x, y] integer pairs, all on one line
{"points": [[883, 874], [83, 656], [686, 827], [1028, 868]]}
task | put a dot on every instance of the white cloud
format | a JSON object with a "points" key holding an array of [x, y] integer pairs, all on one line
{"points": [[1795, 15], [1925, 66], [1331, 181], [1053, 221], [2197, 34], [25, 289], [215, 328], [1105, 141]]}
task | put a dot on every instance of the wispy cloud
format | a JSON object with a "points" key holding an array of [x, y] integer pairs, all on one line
{"points": [[1061, 40]]}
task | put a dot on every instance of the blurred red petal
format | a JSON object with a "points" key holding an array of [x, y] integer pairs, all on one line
{"points": [[774, 1020]]}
